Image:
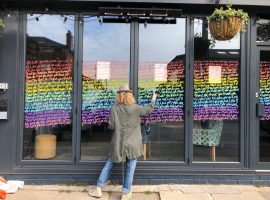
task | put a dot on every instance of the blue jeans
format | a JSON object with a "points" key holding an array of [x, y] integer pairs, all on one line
{"points": [[105, 174]]}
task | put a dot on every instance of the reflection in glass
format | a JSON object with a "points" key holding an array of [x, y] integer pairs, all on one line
{"points": [[161, 68], [106, 50], [48, 88], [265, 100], [215, 97], [263, 30]]}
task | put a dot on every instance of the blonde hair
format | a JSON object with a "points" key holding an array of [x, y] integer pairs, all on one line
{"points": [[125, 98]]}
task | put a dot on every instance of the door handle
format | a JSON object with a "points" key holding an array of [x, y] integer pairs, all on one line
{"points": [[259, 109]]}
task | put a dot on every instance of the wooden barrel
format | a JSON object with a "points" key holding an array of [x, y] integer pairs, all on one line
{"points": [[45, 146]]}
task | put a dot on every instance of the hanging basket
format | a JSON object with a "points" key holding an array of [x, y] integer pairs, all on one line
{"points": [[225, 29]]}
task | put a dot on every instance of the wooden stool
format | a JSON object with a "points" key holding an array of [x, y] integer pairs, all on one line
{"points": [[213, 153], [144, 151], [45, 146]]}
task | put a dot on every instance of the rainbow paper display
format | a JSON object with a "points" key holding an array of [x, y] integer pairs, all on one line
{"points": [[101, 80], [97, 101], [48, 99], [216, 101], [48, 89], [265, 88], [170, 88]]}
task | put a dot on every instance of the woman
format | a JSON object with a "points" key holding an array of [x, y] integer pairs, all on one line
{"points": [[126, 141]]}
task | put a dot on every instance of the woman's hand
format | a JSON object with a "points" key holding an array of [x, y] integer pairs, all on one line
{"points": [[154, 96]]}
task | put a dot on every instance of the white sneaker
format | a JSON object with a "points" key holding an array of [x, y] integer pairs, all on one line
{"points": [[126, 196], [95, 192]]}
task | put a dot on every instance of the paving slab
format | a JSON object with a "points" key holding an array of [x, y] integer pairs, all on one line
{"points": [[115, 196], [221, 189], [243, 196], [79, 196], [264, 189], [33, 195], [163, 187], [188, 189], [53, 187], [145, 196], [178, 195], [144, 188], [265, 195], [135, 188], [247, 188], [145, 192], [176, 186], [136, 196]]}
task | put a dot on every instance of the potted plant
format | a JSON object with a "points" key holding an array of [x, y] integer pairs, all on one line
{"points": [[224, 24]]}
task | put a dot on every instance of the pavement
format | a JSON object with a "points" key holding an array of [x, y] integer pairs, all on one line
{"points": [[145, 192]]}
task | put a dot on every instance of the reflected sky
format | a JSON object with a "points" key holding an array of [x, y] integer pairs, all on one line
{"points": [[162, 42], [106, 41], [52, 27]]}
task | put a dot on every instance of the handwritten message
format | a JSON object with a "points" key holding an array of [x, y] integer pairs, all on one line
{"points": [[48, 93], [216, 90], [265, 88], [101, 80], [216, 100], [170, 88]]}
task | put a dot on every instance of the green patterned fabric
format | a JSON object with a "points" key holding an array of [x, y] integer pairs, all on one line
{"points": [[208, 136]]}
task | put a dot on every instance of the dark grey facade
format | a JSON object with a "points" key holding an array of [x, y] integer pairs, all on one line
{"points": [[249, 169]]}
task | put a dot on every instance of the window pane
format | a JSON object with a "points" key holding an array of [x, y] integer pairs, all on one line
{"points": [[265, 100], [48, 87], [106, 50], [263, 30], [215, 97], [161, 68]]}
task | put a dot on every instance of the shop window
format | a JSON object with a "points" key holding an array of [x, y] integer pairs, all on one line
{"points": [[106, 52], [48, 88], [216, 132], [162, 69], [263, 30]]}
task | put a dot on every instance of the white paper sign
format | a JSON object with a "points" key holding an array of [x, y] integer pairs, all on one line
{"points": [[103, 70], [160, 72], [214, 74], [3, 115]]}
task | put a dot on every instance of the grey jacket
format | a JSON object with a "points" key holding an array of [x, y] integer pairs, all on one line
{"points": [[125, 122]]}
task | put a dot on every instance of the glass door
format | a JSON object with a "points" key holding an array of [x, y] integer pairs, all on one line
{"points": [[148, 57], [263, 106], [106, 64], [216, 97], [162, 56]]}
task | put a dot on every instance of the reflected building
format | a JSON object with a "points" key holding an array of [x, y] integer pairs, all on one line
{"points": [[42, 48]]}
